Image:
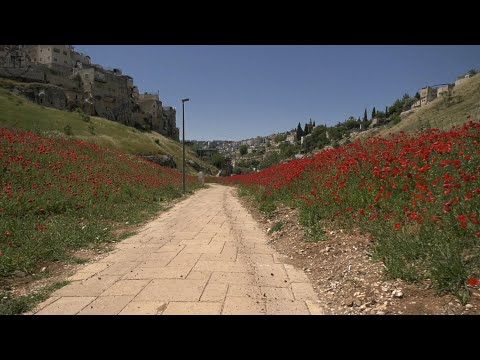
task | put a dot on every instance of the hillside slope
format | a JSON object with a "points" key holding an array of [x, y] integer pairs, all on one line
{"points": [[444, 112], [16, 112]]}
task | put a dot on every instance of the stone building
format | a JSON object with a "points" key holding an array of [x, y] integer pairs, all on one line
{"points": [[96, 90], [56, 57], [444, 89], [152, 111], [108, 91], [462, 78], [15, 56], [427, 94], [170, 123]]}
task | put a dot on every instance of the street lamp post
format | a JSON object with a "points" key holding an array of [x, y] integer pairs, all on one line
{"points": [[183, 143]]}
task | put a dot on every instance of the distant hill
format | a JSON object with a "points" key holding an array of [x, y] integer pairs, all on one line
{"points": [[444, 112], [16, 112]]}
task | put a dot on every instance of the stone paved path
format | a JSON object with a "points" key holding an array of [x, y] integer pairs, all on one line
{"points": [[206, 255]]}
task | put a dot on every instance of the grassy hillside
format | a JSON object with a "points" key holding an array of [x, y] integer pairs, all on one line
{"points": [[60, 195], [444, 112], [16, 112], [416, 196]]}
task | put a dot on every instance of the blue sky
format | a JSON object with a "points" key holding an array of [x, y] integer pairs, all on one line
{"points": [[238, 91]]}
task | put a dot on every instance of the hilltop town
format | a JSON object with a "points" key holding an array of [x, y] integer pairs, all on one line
{"points": [[68, 80], [250, 155]]}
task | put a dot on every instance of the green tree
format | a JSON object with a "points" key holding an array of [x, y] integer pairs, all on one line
{"points": [[407, 103], [472, 72], [373, 112], [417, 96], [351, 123], [270, 160], [280, 137], [365, 115], [299, 132], [243, 150], [288, 150], [305, 130], [218, 160], [318, 138], [386, 111]]}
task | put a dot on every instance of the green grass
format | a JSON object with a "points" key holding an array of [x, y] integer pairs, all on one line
{"points": [[276, 227], [18, 113], [416, 196], [11, 305], [62, 195]]}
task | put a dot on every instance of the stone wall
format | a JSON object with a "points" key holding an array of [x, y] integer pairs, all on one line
{"points": [[80, 84], [30, 74], [43, 94]]}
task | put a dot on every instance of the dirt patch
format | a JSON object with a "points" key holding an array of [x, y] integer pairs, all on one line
{"points": [[346, 278]]}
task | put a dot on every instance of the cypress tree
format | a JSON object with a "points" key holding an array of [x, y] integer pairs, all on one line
{"points": [[365, 115], [373, 112], [299, 132]]}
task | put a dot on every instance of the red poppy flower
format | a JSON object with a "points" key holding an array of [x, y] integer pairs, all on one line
{"points": [[7, 233], [473, 281], [398, 226]]}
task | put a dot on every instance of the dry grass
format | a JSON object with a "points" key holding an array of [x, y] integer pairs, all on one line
{"points": [[442, 113]]}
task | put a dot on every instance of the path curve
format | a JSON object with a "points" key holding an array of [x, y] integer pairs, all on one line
{"points": [[206, 255]]}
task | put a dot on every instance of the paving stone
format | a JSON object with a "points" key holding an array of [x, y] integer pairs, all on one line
{"points": [[214, 292], [303, 291], [193, 308], [144, 308], [172, 290], [66, 305], [206, 255], [106, 305], [243, 306], [286, 307]]}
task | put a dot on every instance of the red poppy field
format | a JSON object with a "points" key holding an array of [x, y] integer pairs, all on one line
{"points": [[58, 195], [416, 196]]}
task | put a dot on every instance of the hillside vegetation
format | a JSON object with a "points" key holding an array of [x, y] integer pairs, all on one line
{"points": [[58, 195], [444, 112], [417, 197], [18, 113]]}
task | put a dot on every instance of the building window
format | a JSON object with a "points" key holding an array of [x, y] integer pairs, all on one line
{"points": [[64, 53], [55, 59], [86, 76], [56, 50]]}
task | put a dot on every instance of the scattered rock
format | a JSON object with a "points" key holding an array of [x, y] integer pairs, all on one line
{"points": [[349, 301]]}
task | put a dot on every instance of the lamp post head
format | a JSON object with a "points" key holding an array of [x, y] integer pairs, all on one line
{"points": [[183, 100]]}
